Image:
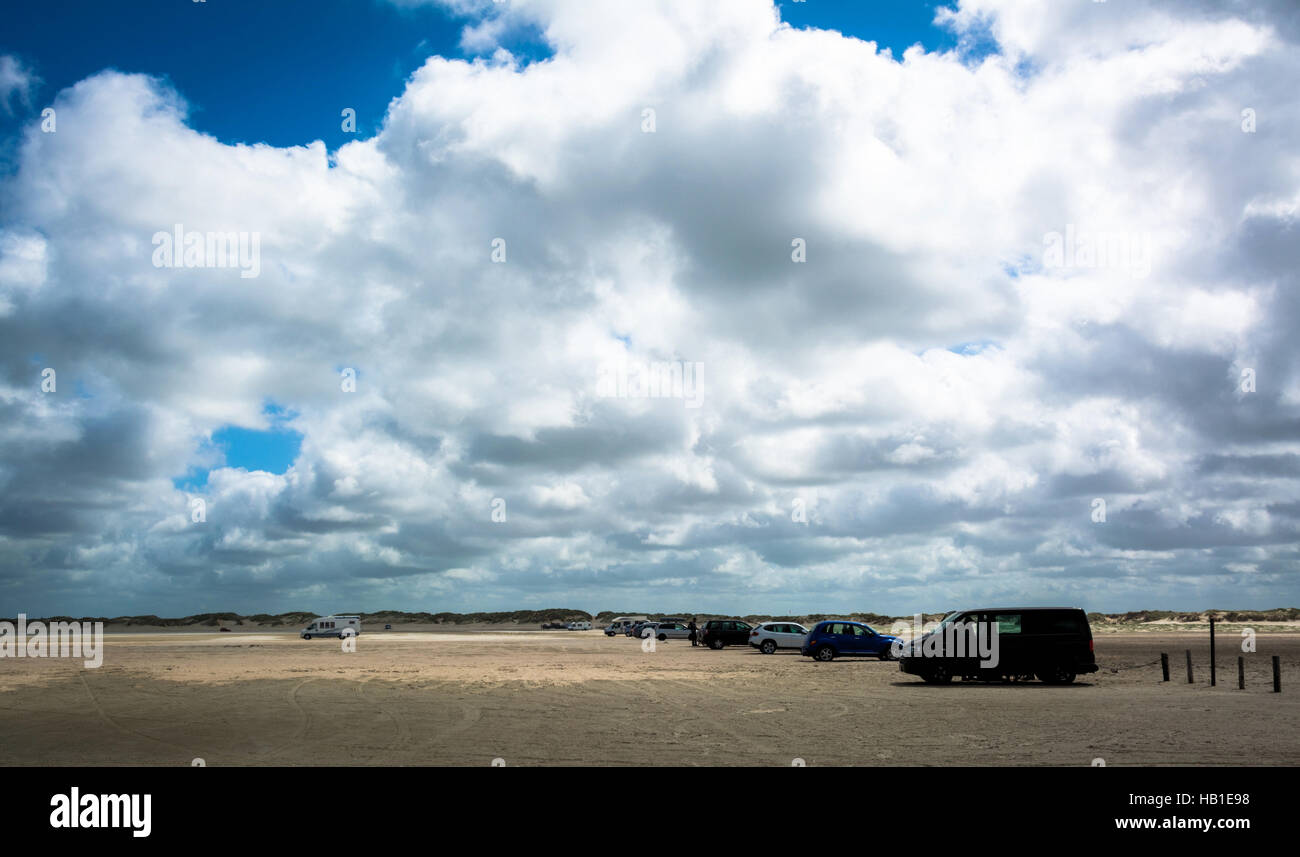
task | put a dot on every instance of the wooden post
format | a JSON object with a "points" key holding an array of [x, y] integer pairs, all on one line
{"points": [[1241, 673], [1213, 675], [1189, 666], [1164, 665], [1277, 674]]}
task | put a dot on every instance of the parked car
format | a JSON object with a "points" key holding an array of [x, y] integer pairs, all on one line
{"points": [[767, 637], [669, 630], [638, 629], [554, 626], [1052, 643], [843, 638], [725, 632], [620, 624]]}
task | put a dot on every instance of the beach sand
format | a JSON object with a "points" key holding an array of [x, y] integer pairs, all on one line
{"points": [[580, 698]]}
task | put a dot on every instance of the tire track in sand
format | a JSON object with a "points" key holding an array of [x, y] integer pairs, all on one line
{"points": [[111, 721], [755, 746], [402, 730]]}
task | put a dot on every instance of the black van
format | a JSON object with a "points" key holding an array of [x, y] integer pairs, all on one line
{"points": [[1052, 643]]}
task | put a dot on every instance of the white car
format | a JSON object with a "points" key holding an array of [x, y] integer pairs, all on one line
{"points": [[770, 636]]}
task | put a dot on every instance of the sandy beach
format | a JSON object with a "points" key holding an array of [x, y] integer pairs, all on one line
{"points": [[580, 698]]}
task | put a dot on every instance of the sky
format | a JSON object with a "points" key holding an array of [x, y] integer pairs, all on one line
{"points": [[953, 304]]}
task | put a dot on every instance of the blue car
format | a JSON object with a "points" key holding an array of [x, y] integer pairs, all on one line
{"points": [[839, 637]]}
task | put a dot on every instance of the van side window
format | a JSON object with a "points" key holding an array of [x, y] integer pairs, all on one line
{"points": [[1067, 623], [1008, 623], [1054, 623]]}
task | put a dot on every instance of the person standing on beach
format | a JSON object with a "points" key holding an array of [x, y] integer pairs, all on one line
{"points": [[693, 637]]}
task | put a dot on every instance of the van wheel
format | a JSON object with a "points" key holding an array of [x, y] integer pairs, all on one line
{"points": [[663, 637], [768, 647], [939, 674], [715, 643], [1056, 675], [306, 636], [825, 653]]}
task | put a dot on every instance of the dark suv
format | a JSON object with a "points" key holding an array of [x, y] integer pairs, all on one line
{"points": [[726, 632], [1052, 643]]}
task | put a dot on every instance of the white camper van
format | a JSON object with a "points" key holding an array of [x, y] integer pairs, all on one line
{"points": [[332, 626], [621, 624], [579, 626]]}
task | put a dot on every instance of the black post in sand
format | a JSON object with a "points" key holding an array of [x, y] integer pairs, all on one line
{"points": [[1213, 674]]}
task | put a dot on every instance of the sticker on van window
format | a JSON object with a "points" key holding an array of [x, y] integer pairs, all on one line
{"points": [[1008, 623]]}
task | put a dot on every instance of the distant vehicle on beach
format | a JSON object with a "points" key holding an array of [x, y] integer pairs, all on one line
{"points": [[620, 624], [667, 631], [725, 632], [332, 626]]}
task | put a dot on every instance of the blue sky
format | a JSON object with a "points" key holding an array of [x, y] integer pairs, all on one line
{"points": [[895, 25], [272, 450], [281, 72], [277, 72]]}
